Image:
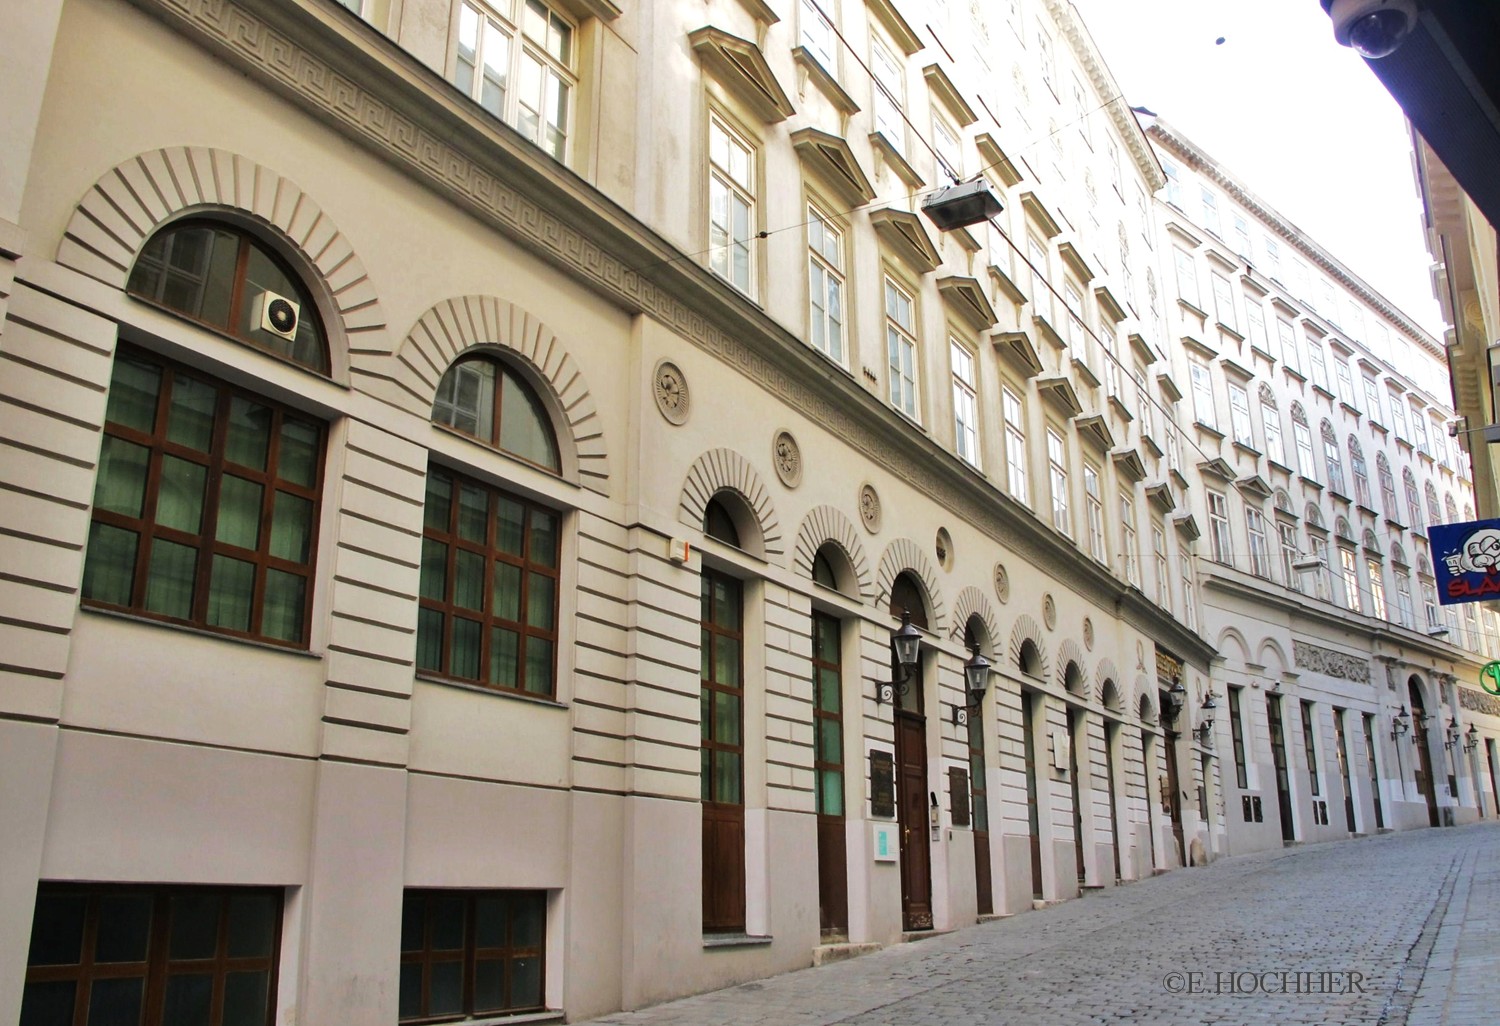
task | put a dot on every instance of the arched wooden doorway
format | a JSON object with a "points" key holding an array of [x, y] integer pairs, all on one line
{"points": [[912, 798], [1423, 769]]}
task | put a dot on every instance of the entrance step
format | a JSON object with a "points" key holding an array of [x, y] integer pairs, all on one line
{"points": [[995, 917], [825, 954], [921, 935]]}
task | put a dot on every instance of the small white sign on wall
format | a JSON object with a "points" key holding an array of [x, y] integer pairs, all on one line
{"points": [[883, 842]]}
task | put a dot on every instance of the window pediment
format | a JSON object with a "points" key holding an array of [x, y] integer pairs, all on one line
{"points": [[824, 80], [996, 160], [1075, 261], [1008, 288], [896, 161], [1096, 432], [902, 34], [1129, 463], [1060, 393], [943, 88], [1219, 468], [834, 162], [1168, 387], [740, 66], [902, 231], [1187, 526], [966, 298], [1109, 304], [1141, 348], [1254, 486], [1037, 212], [1017, 347], [1160, 496]]}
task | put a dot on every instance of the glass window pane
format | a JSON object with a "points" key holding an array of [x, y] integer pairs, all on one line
{"points": [[524, 428], [829, 699], [245, 996], [468, 580], [490, 913], [727, 777], [447, 983], [465, 656], [109, 570], [489, 985], [249, 436], [297, 460], [133, 389], [116, 1002], [124, 928], [540, 601], [179, 502], [539, 666], [434, 570], [291, 527], [218, 277], [510, 524], [411, 991], [252, 925], [48, 1004], [448, 917], [429, 639], [526, 982], [189, 1000], [726, 718], [121, 485], [57, 930], [239, 512], [190, 419], [830, 741], [438, 507], [413, 921], [727, 661], [830, 792], [230, 592], [284, 611], [496, 69], [506, 600], [726, 603], [169, 583], [543, 538], [194, 925], [505, 649], [473, 510], [528, 918]]}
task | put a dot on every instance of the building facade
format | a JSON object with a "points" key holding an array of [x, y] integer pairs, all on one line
{"points": [[465, 465]]}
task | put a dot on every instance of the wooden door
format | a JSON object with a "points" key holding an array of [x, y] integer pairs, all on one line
{"points": [[912, 804], [722, 755], [984, 890], [1423, 770], [1278, 758], [1343, 754], [1111, 749], [1077, 741], [1174, 797], [828, 768], [1369, 722], [1033, 817]]}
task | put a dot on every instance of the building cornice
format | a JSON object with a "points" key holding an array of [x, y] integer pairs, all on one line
{"points": [[343, 72], [1170, 139]]}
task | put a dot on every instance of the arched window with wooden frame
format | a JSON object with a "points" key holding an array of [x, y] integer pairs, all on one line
{"points": [[225, 278], [489, 401]]}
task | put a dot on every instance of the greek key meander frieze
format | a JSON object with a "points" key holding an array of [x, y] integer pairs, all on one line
{"points": [[319, 84], [1477, 701], [1331, 663]]}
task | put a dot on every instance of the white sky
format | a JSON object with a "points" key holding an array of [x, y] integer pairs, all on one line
{"points": [[1286, 110]]}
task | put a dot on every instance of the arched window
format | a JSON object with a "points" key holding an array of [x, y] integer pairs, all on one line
{"points": [[719, 523], [1314, 515], [1387, 487], [224, 278], [1451, 508], [1343, 530], [1413, 502], [487, 400], [1398, 554], [1332, 460], [822, 570], [1371, 542], [1284, 502], [1434, 513], [1360, 471]]}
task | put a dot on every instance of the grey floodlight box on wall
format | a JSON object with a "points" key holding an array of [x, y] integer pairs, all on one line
{"points": [[959, 206]]}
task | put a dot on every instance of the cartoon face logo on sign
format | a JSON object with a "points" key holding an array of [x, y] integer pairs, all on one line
{"points": [[1466, 560]]}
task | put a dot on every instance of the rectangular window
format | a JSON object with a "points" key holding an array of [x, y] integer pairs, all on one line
{"points": [[1310, 745], [1203, 394], [1241, 235], [1333, 462], [1255, 325], [1306, 465], [1163, 580], [1237, 734], [1398, 417], [1015, 445], [1372, 399], [1288, 536], [1189, 599], [722, 752], [1430, 603], [890, 94], [1187, 277], [1350, 573], [206, 505], [731, 204], [1403, 599], [949, 151], [1044, 56], [1270, 427], [1273, 258], [1095, 512], [1260, 554], [965, 407], [1345, 381], [471, 953], [1419, 429], [156, 956], [1057, 469], [828, 714], [1174, 183], [489, 587], [1041, 299], [825, 285], [1239, 414], [901, 348], [1323, 578], [1128, 554], [1210, 210], [1073, 331], [1224, 302], [1220, 545], [1377, 589], [529, 83], [1317, 367], [818, 36]]}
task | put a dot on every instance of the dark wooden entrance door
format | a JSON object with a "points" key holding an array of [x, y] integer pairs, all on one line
{"points": [[1148, 757], [1111, 750], [1278, 758], [984, 891], [1423, 768], [1343, 753], [828, 767], [1369, 722], [912, 807], [1078, 759], [1174, 788], [1033, 818]]}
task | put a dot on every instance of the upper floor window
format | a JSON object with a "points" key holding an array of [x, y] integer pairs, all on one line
{"points": [[205, 506], [825, 285], [1095, 512], [1187, 277], [818, 36], [1287, 336], [1398, 416], [223, 278], [1210, 210], [731, 204], [1174, 183], [1270, 423], [1419, 429], [1015, 445], [487, 400], [1239, 414], [521, 73], [1057, 466], [1361, 473], [1220, 546], [1413, 503], [1332, 460], [1128, 554], [489, 586], [965, 406], [890, 94], [1387, 487], [1302, 438], [901, 348]]}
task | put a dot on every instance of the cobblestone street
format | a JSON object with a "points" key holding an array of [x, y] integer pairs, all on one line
{"points": [[1398, 929]]}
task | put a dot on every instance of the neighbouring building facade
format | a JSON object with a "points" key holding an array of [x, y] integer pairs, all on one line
{"points": [[464, 466]]}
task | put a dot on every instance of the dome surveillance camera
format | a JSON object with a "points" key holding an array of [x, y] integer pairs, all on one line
{"points": [[1373, 28]]}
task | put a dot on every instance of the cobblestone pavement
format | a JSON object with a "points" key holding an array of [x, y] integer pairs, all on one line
{"points": [[1400, 929]]}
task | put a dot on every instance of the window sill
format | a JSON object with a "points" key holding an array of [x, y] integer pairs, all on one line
{"points": [[202, 632], [521, 696], [734, 940]]}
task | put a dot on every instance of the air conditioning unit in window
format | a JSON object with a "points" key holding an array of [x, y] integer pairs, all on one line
{"points": [[1307, 563], [276, 314]]}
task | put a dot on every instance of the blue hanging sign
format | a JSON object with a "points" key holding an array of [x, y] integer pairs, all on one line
{"points": [[1466, 561]]}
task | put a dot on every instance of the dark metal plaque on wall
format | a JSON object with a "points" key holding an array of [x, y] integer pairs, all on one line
{"points": [[882, 784]]}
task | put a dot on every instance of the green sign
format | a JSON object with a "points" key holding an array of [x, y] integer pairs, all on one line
{"points": [[1489, 677]]}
